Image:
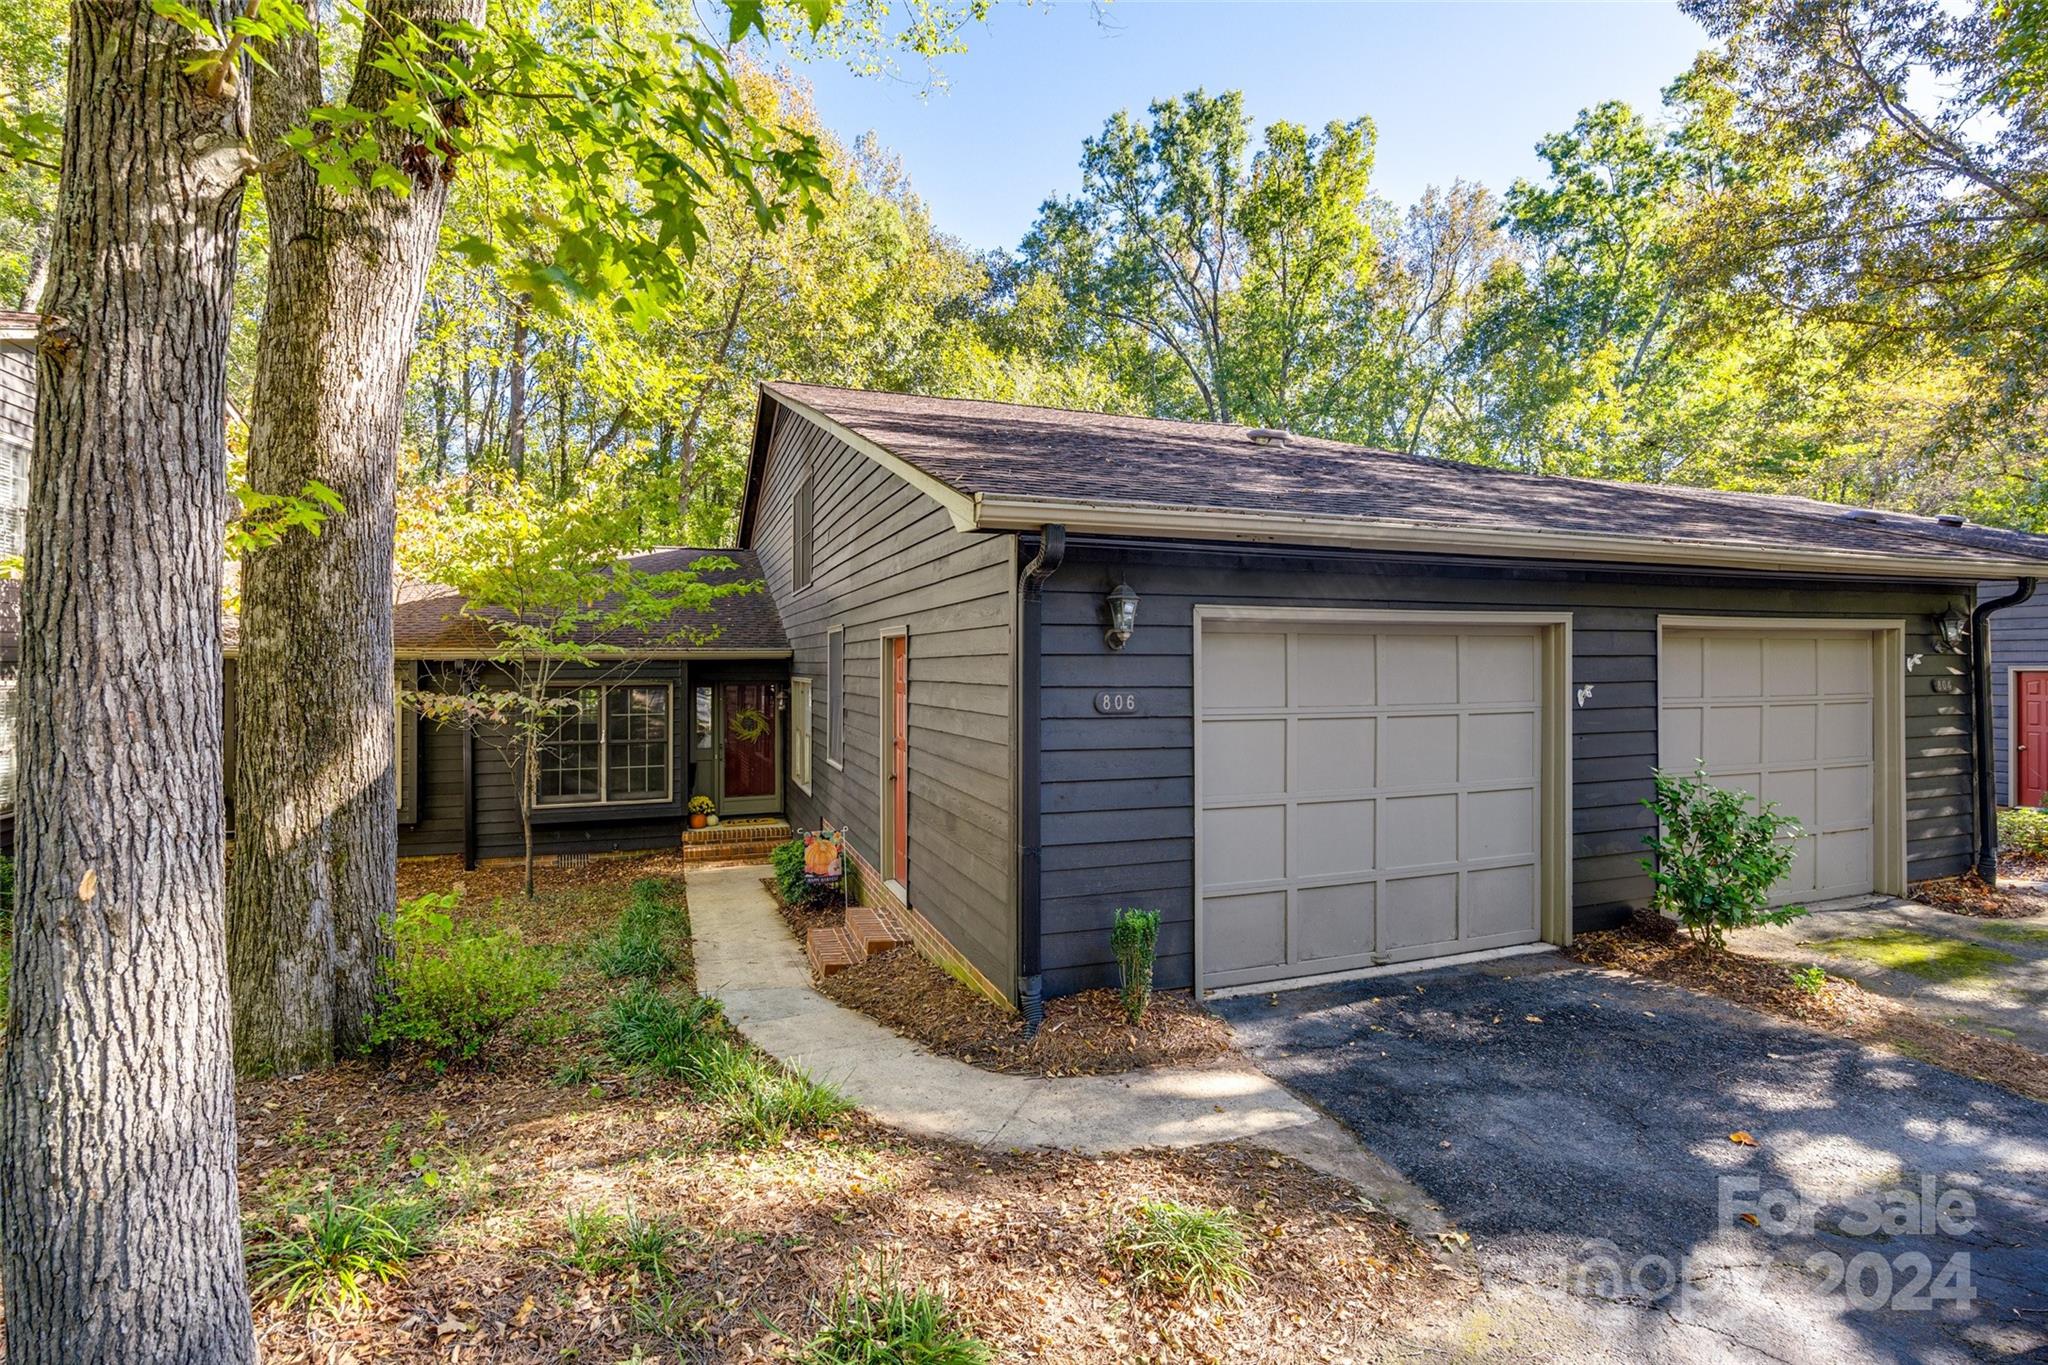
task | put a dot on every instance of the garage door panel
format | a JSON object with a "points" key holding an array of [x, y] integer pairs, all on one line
{"points": [[1498, 747], [1681, 738], [1496, 900], [1331, 838], [1418, 911], [1334, 754], [1244, 844], [1792, 733], [1682, 672], [1734, 667], [1333, 670], [1244, 933], [1843, 860], [1845, 798], [1418, 751], [1334, 922], [1245, 757], [1845, 665], [1418, 831], [1416, 669], [1797, 794], [1791, 666], [1497, 668], [1499, 824], [1242, 669], [1845, 730], [1735, 735], [1389, 809]]}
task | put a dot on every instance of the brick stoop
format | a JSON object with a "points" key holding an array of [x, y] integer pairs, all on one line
{"points": [[749, 841], [866, 932]]}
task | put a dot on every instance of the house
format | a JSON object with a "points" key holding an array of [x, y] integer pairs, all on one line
{"points": [[1327, 708], [17, 434], [2019, 693]]}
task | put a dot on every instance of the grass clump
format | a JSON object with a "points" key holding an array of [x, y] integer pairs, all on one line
{"points": [[2023, 830], [327, 1255], [2013, 933], [873, 1320], [1181, 1251], [1811, 980], [1931, 957], [452, 988], [640, 946], [761, 1101]]}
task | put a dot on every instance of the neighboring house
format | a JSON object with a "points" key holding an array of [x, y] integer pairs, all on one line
{"points": [[1373, 708], [17, 434], [2019, 683]]}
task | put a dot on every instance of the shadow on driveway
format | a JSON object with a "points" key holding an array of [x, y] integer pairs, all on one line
{"points": [[1577, 1124]]}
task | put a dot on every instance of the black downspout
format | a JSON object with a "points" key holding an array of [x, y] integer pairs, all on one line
{"points": [[469, 798], [1987, 763], [1052, 548]]}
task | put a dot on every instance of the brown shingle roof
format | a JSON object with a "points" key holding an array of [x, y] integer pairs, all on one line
{"points": [[428, 619], [987, 450]]}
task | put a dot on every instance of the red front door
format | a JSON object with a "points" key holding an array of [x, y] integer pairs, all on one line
{"points": [[899, 758], [749, 741], [2030, 738]]}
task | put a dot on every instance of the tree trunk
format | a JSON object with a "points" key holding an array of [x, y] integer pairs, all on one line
{"points": [[118, 1209], [515, 384], [314, 884]]}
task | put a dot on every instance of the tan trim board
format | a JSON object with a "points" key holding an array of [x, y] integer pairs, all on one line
{"points": [[1417, 537]]}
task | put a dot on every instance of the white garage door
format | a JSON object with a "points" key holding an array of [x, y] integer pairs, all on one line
{"points": [[1789, 718], [1367, 795]]}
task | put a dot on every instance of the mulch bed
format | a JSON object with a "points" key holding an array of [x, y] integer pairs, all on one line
{"points": [[1083, 1035], [1968, 894], [761, 1237], [1841, 1007]]}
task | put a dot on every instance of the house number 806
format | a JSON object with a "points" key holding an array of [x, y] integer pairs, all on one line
{"points": [[1116, 703]]}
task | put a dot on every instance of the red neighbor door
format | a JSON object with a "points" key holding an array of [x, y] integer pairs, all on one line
{"points": [[2030, 738], [899, 758]]}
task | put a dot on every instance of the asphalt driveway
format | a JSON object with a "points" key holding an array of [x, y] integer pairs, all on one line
{"points": [[1577, 1125]]}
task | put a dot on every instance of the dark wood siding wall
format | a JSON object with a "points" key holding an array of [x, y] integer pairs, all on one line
{"points": [[1118, 792], [886, 555], [2019, 639]]}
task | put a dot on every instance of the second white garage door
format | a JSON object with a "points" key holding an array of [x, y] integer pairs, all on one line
{"points": [[1791, 717], [1366, 795]]}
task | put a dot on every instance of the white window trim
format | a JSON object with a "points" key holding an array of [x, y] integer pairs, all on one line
{"points": [[604, 777], [800, 733], [835, 721]]}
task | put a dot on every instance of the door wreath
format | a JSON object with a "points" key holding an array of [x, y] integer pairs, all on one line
{"points": [[747, 725]]}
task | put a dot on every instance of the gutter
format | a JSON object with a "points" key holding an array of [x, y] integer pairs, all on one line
{"points": [[1986, 765], [1052, 549]]}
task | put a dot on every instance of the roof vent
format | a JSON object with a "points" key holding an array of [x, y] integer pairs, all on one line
{"points": [[1267, 436], [1862, 514], [1951, 519]]}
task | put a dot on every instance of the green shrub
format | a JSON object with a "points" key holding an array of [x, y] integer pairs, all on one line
{"points": [[873, 1320], [1180, 1250], [2023, 830], [453, 987], [328, 1254], [640, 946], [6, 894], [1714, 861], [787, 860], [1812, 980], [1134, 938]]}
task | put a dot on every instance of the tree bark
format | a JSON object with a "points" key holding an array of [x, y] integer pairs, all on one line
{"points": [[515, 420], [315, 858], [118, 1211]]}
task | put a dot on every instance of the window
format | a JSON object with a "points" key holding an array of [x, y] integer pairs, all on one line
{"points": [[802, 516], [800, 733], [835, 696], [610, 747]]}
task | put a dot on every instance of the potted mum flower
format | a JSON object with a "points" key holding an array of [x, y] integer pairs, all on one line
{"points": [[701, 812]]}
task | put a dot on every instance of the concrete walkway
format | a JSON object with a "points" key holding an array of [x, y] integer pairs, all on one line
{"points": [[747, 957], [1987, 976]]}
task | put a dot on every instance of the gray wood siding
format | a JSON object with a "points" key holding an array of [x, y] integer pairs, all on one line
{"points": [[2019, 639], [886, 555], [1118, 793]]}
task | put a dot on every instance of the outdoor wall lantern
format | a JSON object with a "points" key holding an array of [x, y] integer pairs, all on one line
{"points": [[1123, 615], [1949, 627]]}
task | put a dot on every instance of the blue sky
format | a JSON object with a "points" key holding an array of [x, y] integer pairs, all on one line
{"points": [[1456, 89]]}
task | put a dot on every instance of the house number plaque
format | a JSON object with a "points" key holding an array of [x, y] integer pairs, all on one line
{"points": [[1116, 703]]}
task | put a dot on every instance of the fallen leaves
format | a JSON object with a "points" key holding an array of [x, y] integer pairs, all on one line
{"points": [[1742, 1139]]}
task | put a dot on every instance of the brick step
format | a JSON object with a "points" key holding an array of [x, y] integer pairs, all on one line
{"points": [[830, 950], [731, 851], [874, 931]]}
